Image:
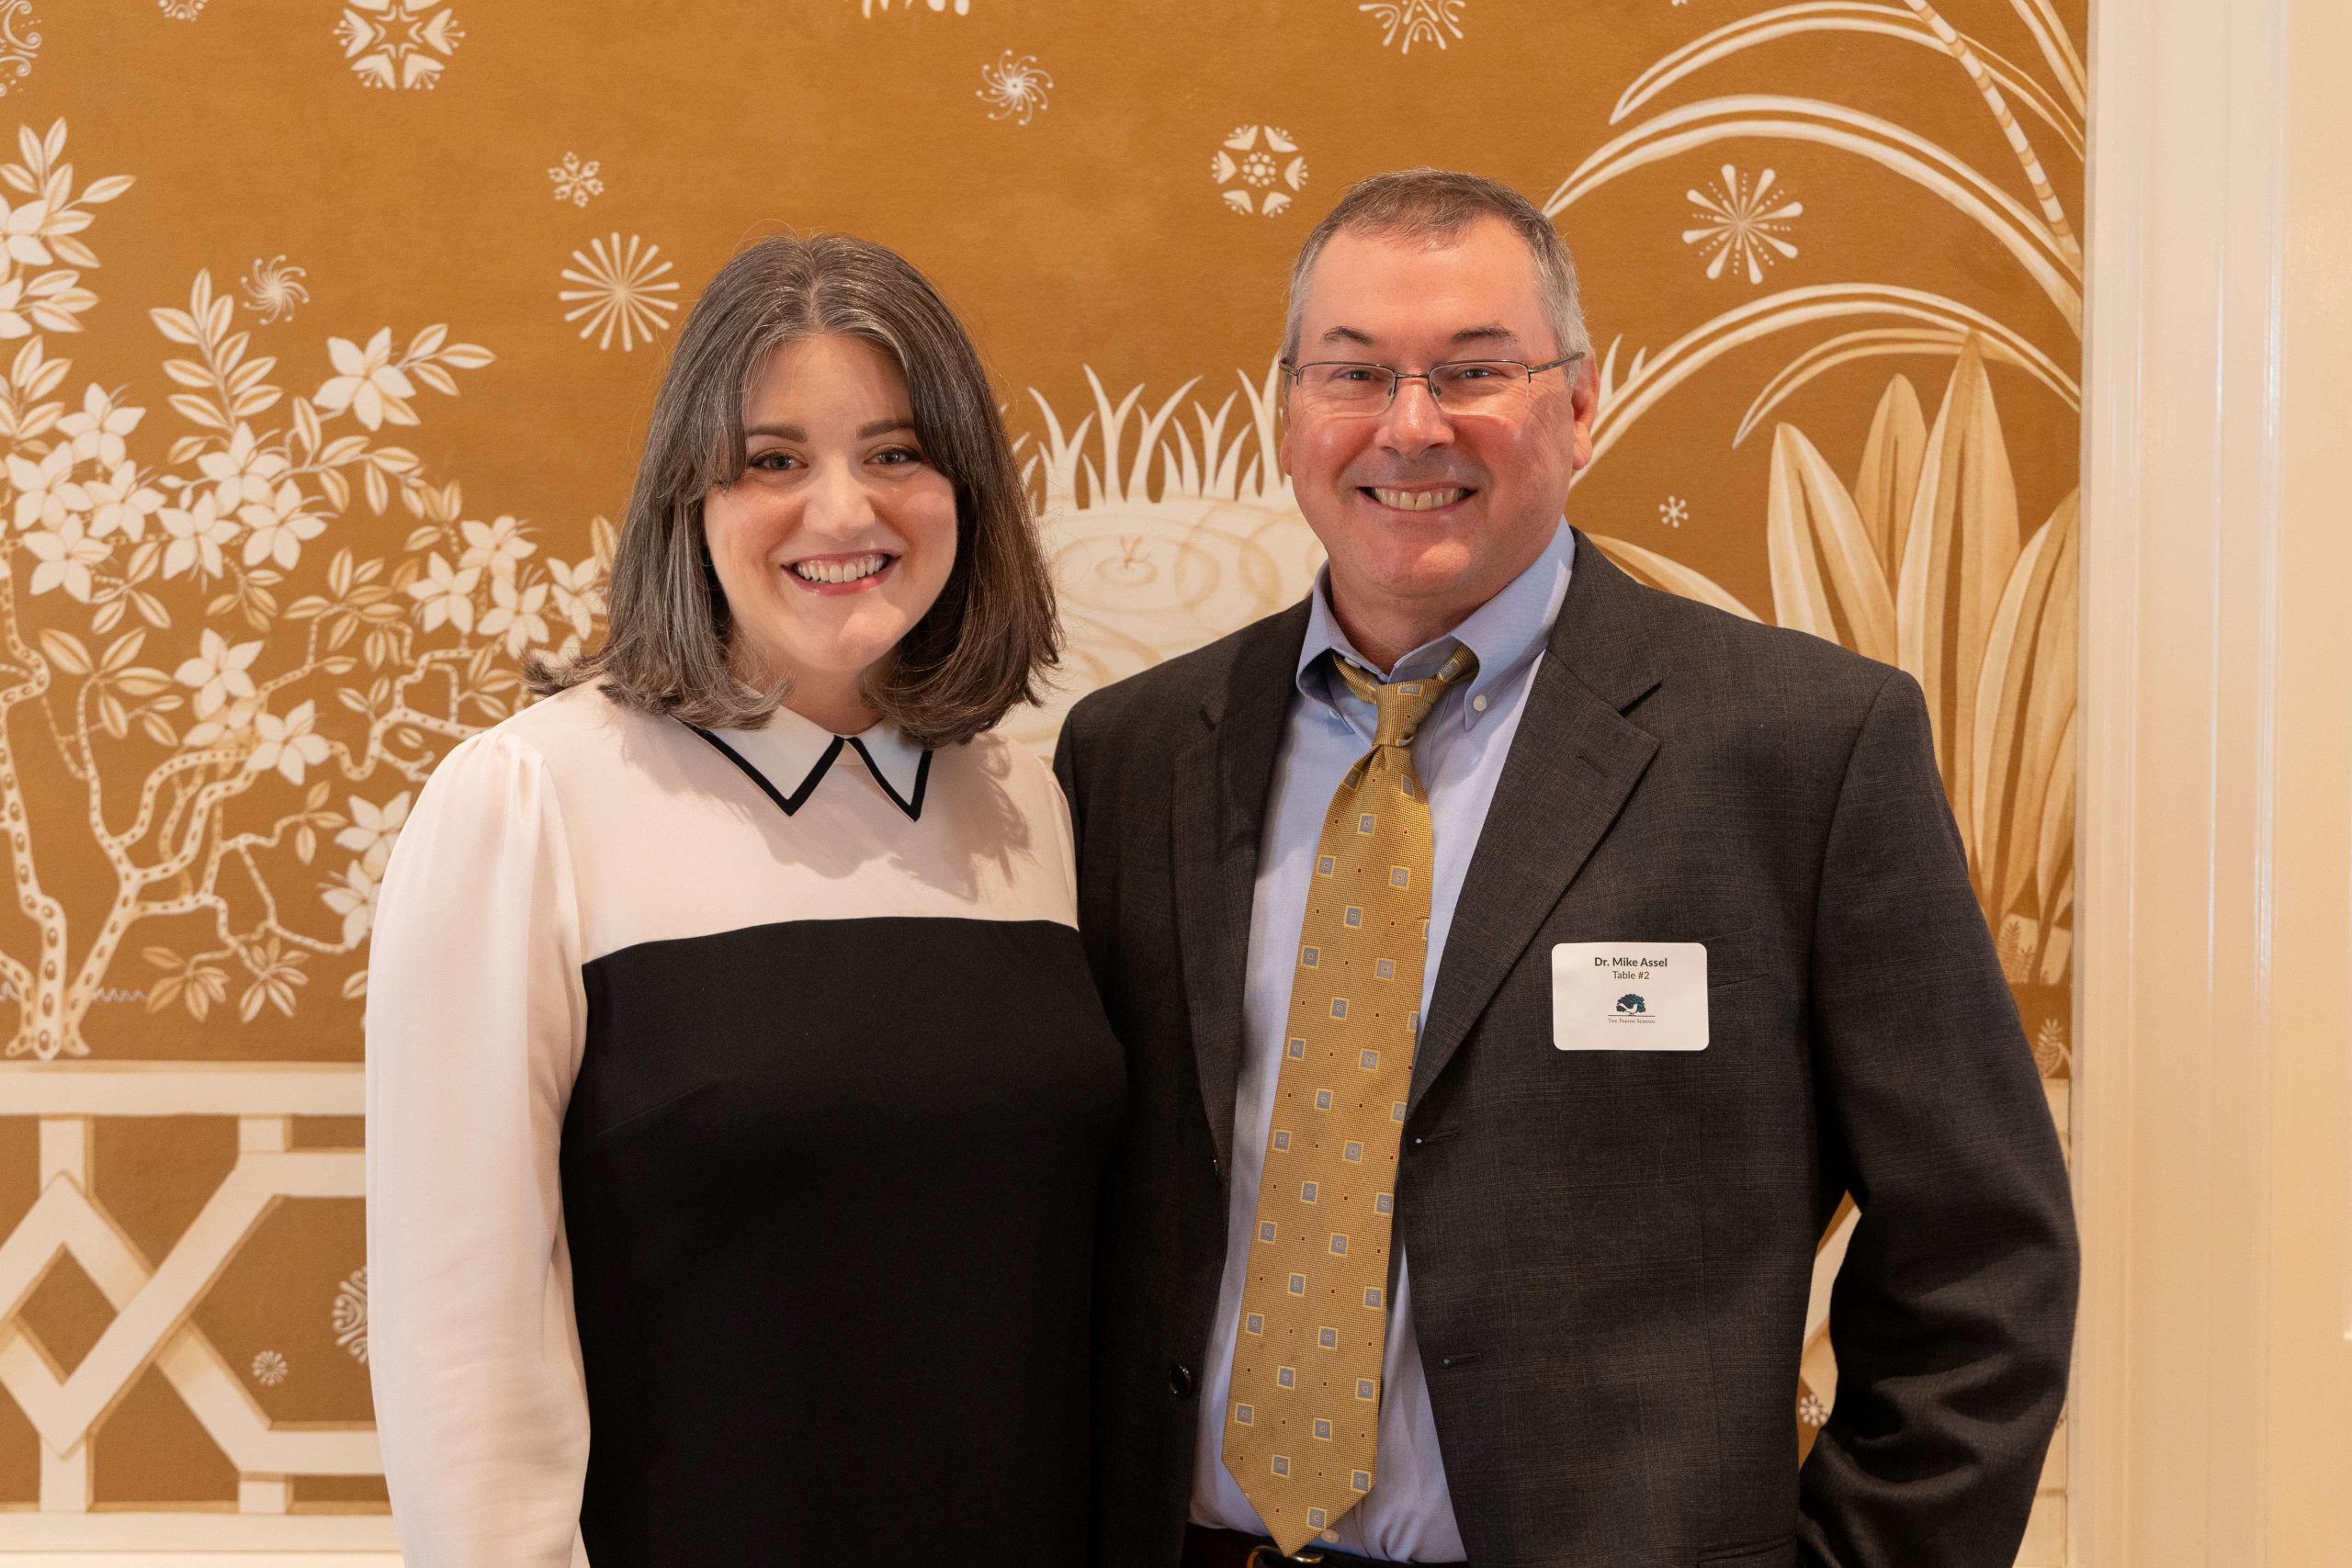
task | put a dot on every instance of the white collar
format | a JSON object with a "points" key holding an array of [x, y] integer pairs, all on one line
{"points": [[789, 757]]}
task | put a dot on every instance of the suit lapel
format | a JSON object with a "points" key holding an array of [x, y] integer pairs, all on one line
{"points": [[1220, 813], [1573, 762]]}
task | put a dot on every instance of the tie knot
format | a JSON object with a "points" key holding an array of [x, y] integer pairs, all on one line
{"points": [[1403, 705]]}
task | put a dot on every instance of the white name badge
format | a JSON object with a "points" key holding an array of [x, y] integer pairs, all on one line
{"points": [[1629, 995]]}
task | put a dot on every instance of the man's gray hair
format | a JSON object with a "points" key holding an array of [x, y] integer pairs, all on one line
{"points": [[1436, 205]]}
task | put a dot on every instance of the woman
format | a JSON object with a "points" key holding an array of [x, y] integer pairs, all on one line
{"points": [[736, 1087]]}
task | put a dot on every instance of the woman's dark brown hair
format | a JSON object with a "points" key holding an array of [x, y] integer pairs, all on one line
{"points": [[983, 645]]}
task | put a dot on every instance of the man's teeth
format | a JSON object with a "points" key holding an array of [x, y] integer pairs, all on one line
{"points": [[848, 570], [1417, 499]]}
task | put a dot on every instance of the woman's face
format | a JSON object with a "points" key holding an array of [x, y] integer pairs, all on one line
{"points": [[838, 535]]}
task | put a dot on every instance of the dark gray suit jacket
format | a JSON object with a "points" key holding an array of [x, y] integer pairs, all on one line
{"points": [[1611, 1250]]}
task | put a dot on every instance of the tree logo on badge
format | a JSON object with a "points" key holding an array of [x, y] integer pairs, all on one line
{"points": [[1631, 1002]]}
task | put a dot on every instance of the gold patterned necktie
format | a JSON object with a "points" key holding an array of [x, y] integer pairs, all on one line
{"points": [[1303, 1411]]}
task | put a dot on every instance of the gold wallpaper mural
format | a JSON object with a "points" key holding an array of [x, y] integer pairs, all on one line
{"points": [[328, 333]]}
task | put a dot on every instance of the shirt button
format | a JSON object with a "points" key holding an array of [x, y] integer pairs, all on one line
{"points": [[1180, 1381], [1479, 702]]}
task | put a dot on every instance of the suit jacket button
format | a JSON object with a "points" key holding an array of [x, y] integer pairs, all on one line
{"points": [[1180, 1381]]}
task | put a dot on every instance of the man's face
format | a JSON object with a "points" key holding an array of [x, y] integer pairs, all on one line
{"points": [[1428, 511]]}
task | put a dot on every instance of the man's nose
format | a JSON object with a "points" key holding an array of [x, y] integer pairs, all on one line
{"points": [[1415, 420]]}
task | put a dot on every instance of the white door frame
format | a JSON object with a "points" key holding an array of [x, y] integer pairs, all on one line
{"points": [[2212, 933]]}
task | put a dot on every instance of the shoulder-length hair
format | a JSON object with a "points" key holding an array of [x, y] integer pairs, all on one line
{"points": [[982, 645]]}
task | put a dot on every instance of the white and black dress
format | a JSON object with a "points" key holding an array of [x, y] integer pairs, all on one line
{"points": [[736, 1103]]}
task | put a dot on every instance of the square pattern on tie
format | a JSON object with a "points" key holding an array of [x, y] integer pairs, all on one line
{"points": [[1367, 918]]}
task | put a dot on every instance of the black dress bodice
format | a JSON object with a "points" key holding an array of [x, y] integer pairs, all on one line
{"points": [[829, 1190]]}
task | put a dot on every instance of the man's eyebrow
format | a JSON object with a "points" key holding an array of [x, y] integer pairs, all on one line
{"points": [[865, 432], [1492, 331]]}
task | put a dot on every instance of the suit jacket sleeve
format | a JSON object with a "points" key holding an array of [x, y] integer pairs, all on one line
{"points": [[1952, 1317]]}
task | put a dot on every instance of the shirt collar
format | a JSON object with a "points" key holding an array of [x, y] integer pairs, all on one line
{"points": [[789, 756], [1506, 632]]}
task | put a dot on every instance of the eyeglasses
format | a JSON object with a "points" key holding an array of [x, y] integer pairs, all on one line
{"points": [[1352, 387]]}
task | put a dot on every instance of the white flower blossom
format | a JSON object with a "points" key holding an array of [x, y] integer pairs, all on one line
{"points": [[370, 384], [352, 896], [230, 723], [121, 505], [444, 596], [245, 473], [197, 534], [98, 430], [373, 830], [286, 743], [498, 545], [66, 557], [517, 612], [579, 595], [218, 672], [46, 493], [279, 528]]}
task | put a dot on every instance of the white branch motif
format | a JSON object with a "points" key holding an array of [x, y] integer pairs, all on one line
{"points": [[145, 631]]}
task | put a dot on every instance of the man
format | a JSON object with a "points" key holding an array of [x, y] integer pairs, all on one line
{"points": [[1516, 966]]}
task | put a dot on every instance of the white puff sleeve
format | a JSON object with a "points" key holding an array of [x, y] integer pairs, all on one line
{"points": [[475, 1019]]}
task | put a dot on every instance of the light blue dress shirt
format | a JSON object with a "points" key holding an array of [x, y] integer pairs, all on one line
{"points": [[1407, 1516]]}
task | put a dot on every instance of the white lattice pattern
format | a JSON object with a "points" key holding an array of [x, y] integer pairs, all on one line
{"points": [[152, 1306]]}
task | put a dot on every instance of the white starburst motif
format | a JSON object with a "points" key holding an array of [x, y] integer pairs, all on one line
{"points": [[575, 181], [349, 1318], [621, 291], [180, 10], [1016, 87], [1409, 22], [399, 43], [1258, 169], [1809, 1410], [962, 8], [269, 1368], [1741, 225], [273, 288], [1674, 512]]}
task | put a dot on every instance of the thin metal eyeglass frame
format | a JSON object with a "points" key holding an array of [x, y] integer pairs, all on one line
{"points": [[1399, 378]]}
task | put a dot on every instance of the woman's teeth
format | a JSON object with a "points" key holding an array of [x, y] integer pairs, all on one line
{"points": [[1416, 499], [848, 570]]}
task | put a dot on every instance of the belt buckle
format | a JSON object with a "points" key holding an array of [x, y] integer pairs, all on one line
{"points": [[1272, 1556]]}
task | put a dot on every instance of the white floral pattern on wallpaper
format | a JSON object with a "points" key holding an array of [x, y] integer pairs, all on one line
{"points": [[1741, 225], [207, 717], [1016, 87], [19, 43], [619, 290], [399, 43], [273, 288], [1259, 169], [348, 1317], [1405, 23], [577, 182]]}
